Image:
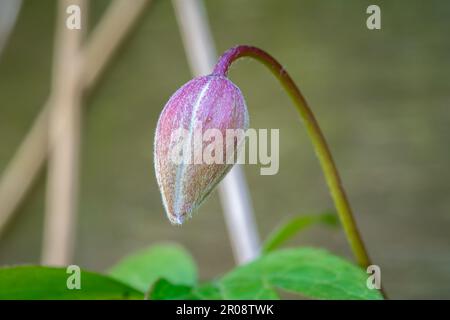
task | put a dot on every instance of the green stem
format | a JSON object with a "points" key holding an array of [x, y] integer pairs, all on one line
{"points": [[318, 140]]}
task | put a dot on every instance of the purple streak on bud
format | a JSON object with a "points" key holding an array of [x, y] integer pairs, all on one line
{"points": [[209, 102]]}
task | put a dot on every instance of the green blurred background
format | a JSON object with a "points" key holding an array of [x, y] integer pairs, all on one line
{"points": [[382, 98]]}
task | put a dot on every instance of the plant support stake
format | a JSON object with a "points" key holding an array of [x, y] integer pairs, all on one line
{"points": [[233, 191]]}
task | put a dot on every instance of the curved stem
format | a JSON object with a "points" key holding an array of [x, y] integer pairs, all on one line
{"points": [[318, 140]]}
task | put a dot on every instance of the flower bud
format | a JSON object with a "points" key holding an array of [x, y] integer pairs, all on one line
{"points": [[192, 152]]}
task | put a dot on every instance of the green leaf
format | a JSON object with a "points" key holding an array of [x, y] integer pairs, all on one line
{"points": [[165, 290], [169, 261], [239, 285], [207, 291], [309, 272], [35, 282], [287, 230]]}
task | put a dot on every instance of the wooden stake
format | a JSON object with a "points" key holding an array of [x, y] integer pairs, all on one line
{"points": [[64, 140], [233, 190], [24, 167]]}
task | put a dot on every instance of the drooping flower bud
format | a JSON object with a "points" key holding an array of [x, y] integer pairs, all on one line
{"points": [[192, 149]]}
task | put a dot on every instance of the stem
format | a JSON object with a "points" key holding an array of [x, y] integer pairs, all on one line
{"points": [[318, 140]]}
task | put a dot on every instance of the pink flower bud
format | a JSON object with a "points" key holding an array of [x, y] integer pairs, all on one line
{"points": [[188, 129]]}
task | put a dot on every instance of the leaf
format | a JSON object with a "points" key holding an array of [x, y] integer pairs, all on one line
{"points": [[287, 230], [169, 261], [207, 291], [242, 286], [309, 272], [36, 282], [165, 290]]}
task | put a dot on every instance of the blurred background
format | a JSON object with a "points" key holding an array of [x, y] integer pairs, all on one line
{"points": [[382, 98]]}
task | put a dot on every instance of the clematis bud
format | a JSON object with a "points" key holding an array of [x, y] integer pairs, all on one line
{"points": [[191, 150]]}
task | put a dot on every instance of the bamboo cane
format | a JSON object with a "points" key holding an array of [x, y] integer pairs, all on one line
{"points": [[64, 139], [24, 167], [233, 190]]}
